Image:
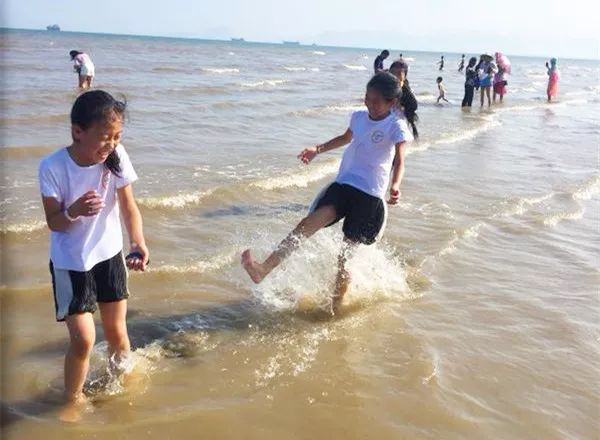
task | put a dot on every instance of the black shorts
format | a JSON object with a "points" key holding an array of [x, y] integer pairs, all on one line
{"points": [[363, 214], [79, 292]]}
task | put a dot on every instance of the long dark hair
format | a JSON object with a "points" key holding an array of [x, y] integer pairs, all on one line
{"points": [[408, 101], [74, 53], [386, 84], [98, 106]]}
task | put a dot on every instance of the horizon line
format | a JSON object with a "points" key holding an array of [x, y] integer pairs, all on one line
{"points": [[280, 43]]}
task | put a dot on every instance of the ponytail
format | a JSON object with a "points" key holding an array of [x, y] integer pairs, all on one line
{"points": [[409, 104]]}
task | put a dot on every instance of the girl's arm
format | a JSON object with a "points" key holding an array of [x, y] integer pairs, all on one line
{"points": [[133, 223], [397, 174], [58, 219], [310, 153]]}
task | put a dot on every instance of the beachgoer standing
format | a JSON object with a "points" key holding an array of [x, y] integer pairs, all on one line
{"points": [[84, 187], [471, 80], [553, 78], [378, 63], [461, 65], [408, 102], [83, 65], [500, 84]]}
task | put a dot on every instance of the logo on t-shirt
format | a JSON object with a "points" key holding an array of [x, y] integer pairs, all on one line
{"points": [[105, 178], [377, 136]]}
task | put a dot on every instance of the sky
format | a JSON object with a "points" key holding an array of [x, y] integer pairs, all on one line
{"points": [[562, 28]]}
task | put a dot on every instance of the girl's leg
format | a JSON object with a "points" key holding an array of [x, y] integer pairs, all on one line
{"points": [[82, 335], [488, 92], [115, 330], [307, 227], [482, 95], [81, 82], [89, 82], [495, 96], [470, 93], [342, 280]]}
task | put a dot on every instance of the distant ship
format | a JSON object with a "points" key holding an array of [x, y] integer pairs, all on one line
{"points": [[291, 43], [53, 27], [238, 40]]}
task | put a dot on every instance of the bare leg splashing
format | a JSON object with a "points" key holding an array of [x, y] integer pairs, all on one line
{"points": [[306, 228]]}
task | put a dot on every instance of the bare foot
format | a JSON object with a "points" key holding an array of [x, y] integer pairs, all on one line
{"points": [[336, 303], [71, 411], [254, 269]]}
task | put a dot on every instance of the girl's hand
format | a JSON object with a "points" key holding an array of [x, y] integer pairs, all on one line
{"points": [[308, 154], [394, 196], [135, 262], [88, 205]]}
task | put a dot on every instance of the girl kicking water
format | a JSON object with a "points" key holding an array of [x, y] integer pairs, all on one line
{"points": [[84, 186], [376, 136]]}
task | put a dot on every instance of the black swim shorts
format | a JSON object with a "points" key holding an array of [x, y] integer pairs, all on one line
{"points": [[79, 292], [363, 213]]}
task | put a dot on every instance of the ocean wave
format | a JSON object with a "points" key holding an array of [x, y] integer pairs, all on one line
{"points": [[589, 189], [300, 178], [201, 266], [417, 147], [24, 228], [174, 202], [544, 104], [220, 70], [318, 52], [489, 123], [294, 69], [468, 233], [554, 219], [354, 67], [335, 108], [519, 205], [265, 83]]}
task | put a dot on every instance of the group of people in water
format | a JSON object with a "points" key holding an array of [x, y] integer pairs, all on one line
{"points": [[486, 74], [86, 186]]}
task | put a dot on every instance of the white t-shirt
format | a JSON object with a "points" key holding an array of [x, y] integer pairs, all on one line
{"points": [[367, 161], [84, 61], [89, 240]]}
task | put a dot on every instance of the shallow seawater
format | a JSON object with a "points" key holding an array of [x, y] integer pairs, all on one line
{"points": [[475, 317]]}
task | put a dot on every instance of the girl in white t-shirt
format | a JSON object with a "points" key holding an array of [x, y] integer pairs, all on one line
{"points": [[83, 187], [83, 65], [377, 135]]}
